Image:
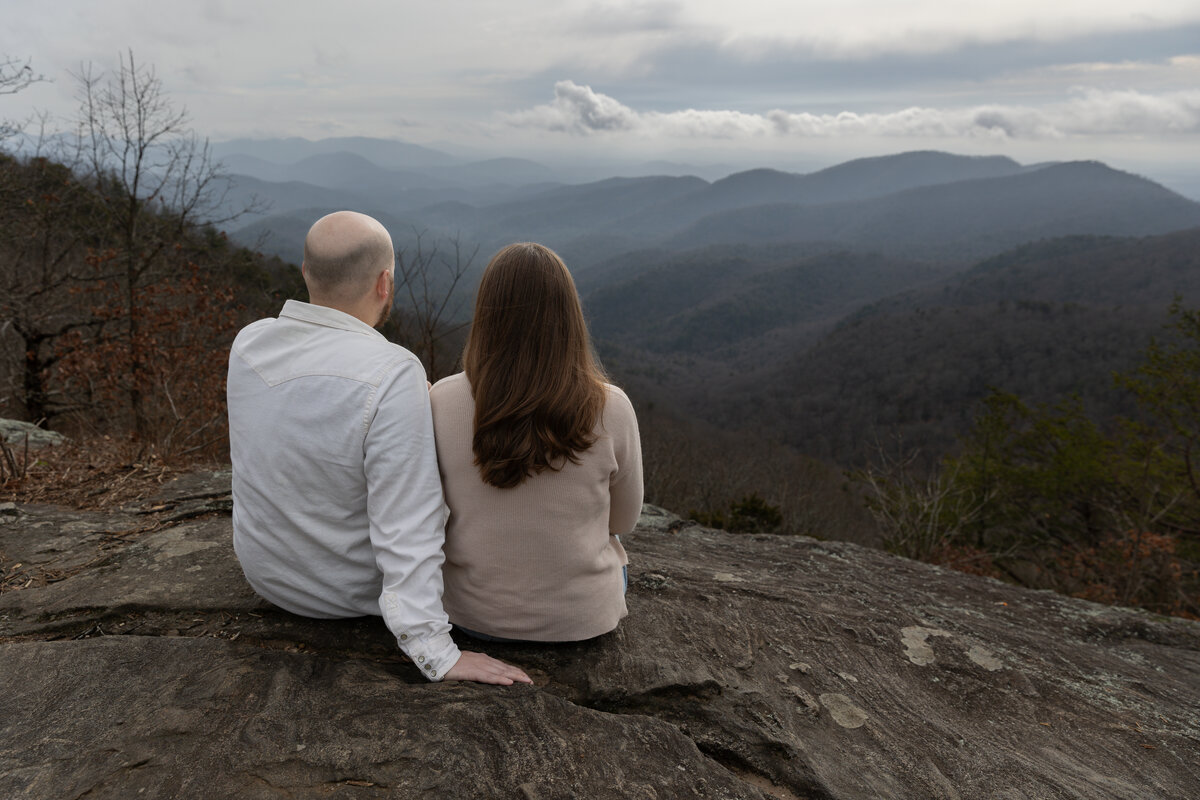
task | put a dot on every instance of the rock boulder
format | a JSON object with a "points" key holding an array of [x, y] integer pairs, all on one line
{"points": [[135, 662], [16, 433]]}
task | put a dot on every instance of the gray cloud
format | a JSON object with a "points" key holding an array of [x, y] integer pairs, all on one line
{"points": [[702, 76], [691, 68], [639, 17]]}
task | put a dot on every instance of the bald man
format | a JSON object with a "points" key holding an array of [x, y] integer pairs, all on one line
{"points": [[337, 503]]}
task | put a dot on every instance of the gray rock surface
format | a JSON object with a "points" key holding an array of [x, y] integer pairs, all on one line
{"points": [[15, 433], [135, 662]]}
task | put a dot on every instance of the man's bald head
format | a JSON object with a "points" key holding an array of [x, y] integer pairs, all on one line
{"points": [[344, 253]]}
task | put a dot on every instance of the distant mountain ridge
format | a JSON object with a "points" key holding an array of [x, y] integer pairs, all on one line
{"points": [[861, 179], [921, 204], [337, 170], [968, 218], [697, 291], [388, 153]]}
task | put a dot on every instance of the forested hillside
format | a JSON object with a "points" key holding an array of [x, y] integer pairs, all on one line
{"points": [[1047, 321], [713, 300], [111, 333], [1032, 417], [118, 297], [827, 355]]}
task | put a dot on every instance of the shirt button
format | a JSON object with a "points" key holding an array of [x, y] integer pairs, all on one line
{"points": [[420, 659], [433, 673], [429, 667], [403, 636]]}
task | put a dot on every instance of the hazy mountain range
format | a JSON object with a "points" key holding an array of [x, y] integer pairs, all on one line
{"points": [[882, 295], [922, 204]]}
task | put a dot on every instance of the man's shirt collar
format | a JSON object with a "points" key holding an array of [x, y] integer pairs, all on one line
{"points": [[326, 316]]}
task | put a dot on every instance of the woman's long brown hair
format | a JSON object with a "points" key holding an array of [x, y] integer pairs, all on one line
{"points": [[538, 389]]}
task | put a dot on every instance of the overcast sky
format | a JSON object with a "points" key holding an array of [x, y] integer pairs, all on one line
{"points": [[789, 84]]}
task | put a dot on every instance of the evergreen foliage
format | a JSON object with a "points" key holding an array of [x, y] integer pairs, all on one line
{"points": [[750, 514], [1050, 497]]}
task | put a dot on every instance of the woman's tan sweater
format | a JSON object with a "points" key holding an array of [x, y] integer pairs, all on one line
{"points": [[537, 561]]}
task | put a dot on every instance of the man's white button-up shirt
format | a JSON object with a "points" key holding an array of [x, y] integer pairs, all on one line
{"points": [[337, 503]]}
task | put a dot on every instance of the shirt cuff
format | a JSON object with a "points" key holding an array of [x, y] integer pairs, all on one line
{"points": [[433, 655]]}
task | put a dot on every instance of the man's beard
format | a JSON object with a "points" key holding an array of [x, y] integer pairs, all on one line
{"points": [[387, 309]]}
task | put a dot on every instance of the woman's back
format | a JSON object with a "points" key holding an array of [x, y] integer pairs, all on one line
{"points": [[537, 561]]}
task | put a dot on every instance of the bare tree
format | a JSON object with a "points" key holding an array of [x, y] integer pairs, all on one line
{"points": [[156, 180], [44, 263], [429, 278], [40, 257], [918, 516]]}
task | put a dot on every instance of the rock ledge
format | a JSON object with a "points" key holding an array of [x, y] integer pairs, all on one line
{"points": [[134, 661]]}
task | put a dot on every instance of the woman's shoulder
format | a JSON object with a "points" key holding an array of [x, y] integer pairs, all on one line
{"points": [[612, 390], [455, 382], [450, 388], [616, 403]]}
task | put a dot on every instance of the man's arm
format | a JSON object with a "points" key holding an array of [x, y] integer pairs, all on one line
{"points": [[407, 516]]}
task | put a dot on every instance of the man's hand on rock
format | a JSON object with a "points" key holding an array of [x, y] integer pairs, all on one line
{"points": [[485, 669]]}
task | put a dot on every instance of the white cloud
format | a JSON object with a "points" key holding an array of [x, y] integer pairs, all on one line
{"points": [[580, 110], [577, 109], [1131, 112]]}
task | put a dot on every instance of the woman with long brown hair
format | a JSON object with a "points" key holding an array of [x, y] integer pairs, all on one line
{"points": [[540, 462]]}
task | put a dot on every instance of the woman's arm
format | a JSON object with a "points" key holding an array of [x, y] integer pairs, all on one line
{"points": [[625, 485]]}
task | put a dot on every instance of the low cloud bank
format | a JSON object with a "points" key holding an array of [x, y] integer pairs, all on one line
{"points": [[580, 110]]}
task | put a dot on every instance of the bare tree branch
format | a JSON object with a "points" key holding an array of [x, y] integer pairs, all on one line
{"points": [[15, 76], [430, 278]]}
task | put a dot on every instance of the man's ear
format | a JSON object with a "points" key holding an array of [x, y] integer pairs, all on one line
{"points": [[382, 284]]}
